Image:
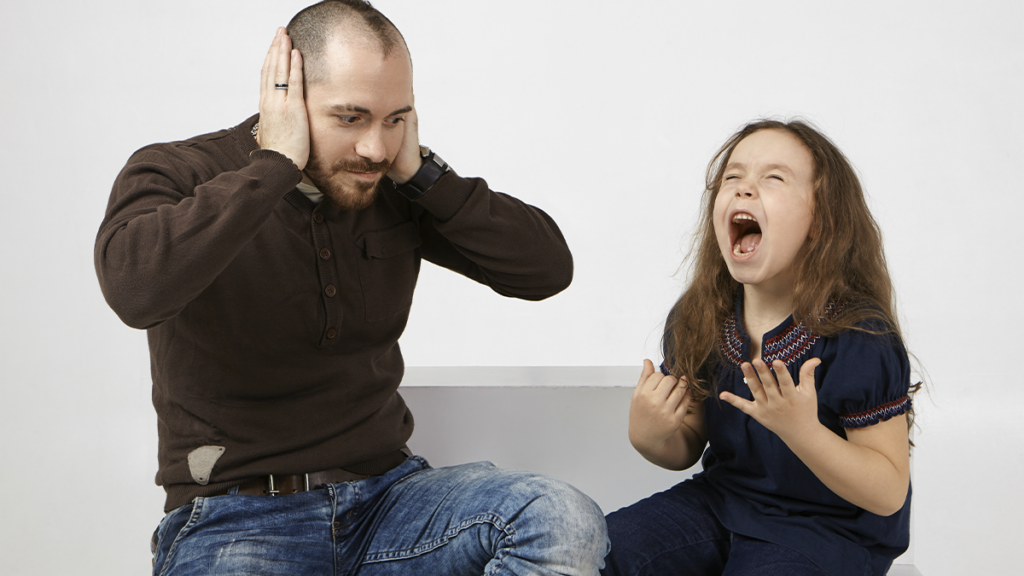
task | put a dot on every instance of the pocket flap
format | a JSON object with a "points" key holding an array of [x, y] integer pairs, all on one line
{"points": [[390, 242]]}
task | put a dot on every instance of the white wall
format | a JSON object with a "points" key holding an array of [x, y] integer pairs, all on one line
{"points": [[604, 115]]}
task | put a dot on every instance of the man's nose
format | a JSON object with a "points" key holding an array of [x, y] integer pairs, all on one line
{"points": [[371, 145]]}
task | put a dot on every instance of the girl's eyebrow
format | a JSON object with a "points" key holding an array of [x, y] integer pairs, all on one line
{"points": [[779, 167], [769, 167]]}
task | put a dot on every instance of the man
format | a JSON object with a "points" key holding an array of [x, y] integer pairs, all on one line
{"points": [[273, 266]]}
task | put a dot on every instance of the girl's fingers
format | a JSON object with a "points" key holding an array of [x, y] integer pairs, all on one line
{"points": [[750, 378], [648, 369], [745, 406], [684, 404], [665, 386], [807, 371], [675, 398], [765, 375], [785, 381]]}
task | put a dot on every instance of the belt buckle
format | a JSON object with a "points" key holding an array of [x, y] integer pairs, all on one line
{"points": [[271, 491]]}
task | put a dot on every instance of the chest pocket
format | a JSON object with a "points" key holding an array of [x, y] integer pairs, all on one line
{"points": [[388, 270]]}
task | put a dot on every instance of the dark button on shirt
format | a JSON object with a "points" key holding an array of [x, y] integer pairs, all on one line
{"points": [[318, 218], [330, 290], [325, 254], [331, 332]]}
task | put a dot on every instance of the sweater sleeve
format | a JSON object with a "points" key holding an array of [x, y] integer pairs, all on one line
{"points": [[495, 239], [177, 216]]}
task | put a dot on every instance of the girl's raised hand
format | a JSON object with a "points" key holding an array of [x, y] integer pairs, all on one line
{"points": [[657, 409], [779, 405]]}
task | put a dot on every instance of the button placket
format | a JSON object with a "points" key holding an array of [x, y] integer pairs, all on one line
{"points": [[328, 278]]}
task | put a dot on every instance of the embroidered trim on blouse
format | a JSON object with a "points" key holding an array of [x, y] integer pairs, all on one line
{"points": [[731, 343], [883, 412], [789, 346], [795, 342]]}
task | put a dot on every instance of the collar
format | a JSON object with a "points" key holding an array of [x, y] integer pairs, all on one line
{"points": [[790, 341]]}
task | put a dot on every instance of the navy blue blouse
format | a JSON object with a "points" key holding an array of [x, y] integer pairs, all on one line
{"points": [[759, 488]]}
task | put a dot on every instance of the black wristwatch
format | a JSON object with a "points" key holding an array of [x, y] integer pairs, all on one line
{"points": [[429, 173]]}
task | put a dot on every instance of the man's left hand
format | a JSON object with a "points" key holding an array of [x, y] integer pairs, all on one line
{"points": [[409, 160]]}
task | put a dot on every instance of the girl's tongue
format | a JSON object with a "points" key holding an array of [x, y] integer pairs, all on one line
{"points": [[748, 243]]}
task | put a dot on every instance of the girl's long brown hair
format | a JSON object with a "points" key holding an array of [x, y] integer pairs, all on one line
{"points": [[842, 261]]}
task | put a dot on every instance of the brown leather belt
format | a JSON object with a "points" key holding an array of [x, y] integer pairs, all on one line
{"points": [[282, 484]]}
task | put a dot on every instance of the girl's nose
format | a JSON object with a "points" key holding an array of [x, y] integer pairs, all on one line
{"points": [[745, 188]]}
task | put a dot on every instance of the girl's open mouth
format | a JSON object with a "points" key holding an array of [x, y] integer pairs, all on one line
{"points": [[744, 234]]}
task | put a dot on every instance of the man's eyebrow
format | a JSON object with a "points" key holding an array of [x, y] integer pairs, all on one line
{"points": [[348, 108], [361, 110]]}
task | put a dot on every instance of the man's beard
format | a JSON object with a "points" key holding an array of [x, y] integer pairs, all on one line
{"points": [[341, 188]]}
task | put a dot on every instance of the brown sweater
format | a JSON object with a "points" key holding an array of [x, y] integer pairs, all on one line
{"points": [[273, 322]]}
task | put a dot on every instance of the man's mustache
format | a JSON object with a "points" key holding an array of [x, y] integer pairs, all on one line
{"points": [[361, 165]]}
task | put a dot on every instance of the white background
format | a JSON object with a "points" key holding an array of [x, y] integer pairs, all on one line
{"points": [[604, 114]]}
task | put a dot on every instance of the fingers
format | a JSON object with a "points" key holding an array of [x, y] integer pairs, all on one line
{"points": [[284, 52], [270, 64], [680, 398], [409, 159], [764, 374], [743, 405], [295, 77], [753, 381], [656, 385], [783, 377], [267, 62], [646, 372], [807, 372]]}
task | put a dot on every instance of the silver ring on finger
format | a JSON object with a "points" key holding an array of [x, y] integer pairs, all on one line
{"points": [[280, 86]]}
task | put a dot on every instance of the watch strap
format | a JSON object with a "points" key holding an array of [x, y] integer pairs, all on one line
{"points": [[429, 173]]}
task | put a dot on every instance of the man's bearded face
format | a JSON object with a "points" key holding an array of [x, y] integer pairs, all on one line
{"points": [[352, 184]]}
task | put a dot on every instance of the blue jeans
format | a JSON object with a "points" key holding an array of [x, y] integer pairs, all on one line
{"points": [[472, 519], [675, 533]]}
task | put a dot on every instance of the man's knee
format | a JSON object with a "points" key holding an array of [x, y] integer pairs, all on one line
{"points": [[560, 514]]}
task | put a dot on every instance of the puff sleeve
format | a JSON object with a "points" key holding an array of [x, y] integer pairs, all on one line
{"points": [[868, 381]]}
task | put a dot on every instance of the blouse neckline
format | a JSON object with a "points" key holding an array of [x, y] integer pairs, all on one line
{"points": [[790, 341]]}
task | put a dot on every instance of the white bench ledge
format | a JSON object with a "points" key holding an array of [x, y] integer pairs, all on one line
{"points": [[522, 376]]}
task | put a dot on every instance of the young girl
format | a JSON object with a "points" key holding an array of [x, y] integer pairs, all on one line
{"points": [[784, 358]]}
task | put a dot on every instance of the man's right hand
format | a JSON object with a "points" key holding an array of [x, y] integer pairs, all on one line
{"points": [[284, 126]]}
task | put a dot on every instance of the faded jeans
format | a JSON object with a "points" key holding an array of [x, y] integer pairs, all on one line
{"points": [[472, 519]]}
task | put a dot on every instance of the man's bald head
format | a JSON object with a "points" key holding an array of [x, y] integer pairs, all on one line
{"points": [[314, 28]]}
